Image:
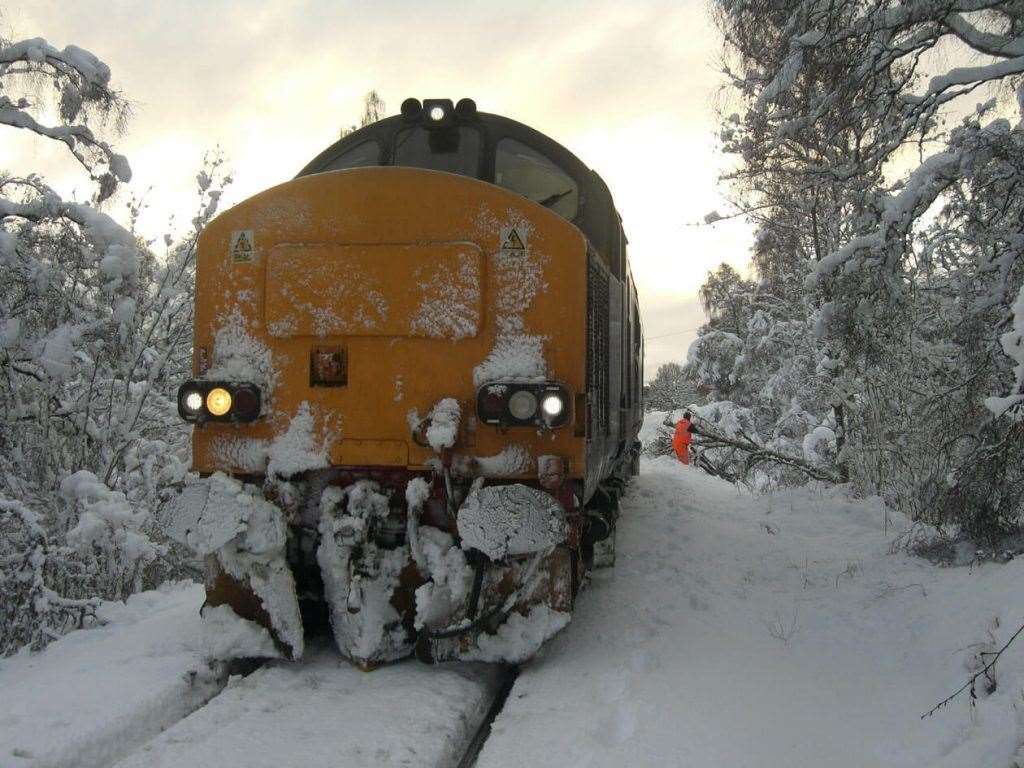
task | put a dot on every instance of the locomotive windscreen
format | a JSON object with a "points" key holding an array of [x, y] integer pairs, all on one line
{"points": [[359, 156], [527, 172], [455, 150]]}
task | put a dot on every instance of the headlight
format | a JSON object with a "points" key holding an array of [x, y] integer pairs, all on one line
{"points": [[513, 404], [522, 405], [552, 405], [218, 401], [200, 401], [193, 401]]}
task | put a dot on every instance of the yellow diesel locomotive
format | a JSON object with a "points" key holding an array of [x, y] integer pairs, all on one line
{"points": [[416, 393]]}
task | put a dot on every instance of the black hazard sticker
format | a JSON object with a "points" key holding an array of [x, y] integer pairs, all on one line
{"points": [[243, 246], [513, 239]]}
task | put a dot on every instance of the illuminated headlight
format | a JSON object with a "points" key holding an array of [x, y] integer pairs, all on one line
{"points": [[218, 401], [200, 401], [437, 114], [522, 405], [552, 405]]}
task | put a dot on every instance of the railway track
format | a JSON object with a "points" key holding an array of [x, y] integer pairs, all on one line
{"points": [[483, 731], [323, 711]]}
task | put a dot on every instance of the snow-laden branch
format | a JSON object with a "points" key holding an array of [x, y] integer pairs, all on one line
{"points": [[1013, 345], [100, 229], [877, 24], [921, 189], [93, 71], [985, 42], [82, 79], [886, 38], [971, 76], [74, 136], [783, 81]]}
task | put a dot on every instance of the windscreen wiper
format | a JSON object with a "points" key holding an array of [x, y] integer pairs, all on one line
{"points": [[550, 200]]}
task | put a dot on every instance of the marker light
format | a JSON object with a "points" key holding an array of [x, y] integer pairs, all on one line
{"points": [[245, 404], [194, 401], [552, 405], [522, 405], [218, 401], [437, 114], [411, 109]]}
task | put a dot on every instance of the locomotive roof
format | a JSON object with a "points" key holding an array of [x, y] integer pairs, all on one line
{"points": [[596, 215]]}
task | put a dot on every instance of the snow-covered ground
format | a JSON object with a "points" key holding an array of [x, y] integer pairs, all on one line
{"points": [[124, 692], [735, 630], [96, 694], [323, 712], [776, 630]]}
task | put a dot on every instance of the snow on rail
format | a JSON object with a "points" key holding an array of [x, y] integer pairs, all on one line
{"points": [[95, 695], [323, 712], [134, 691]]}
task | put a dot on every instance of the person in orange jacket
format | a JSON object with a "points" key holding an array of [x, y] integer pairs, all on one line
{"points": [[682, 436]]}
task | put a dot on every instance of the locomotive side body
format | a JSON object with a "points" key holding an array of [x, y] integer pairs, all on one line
{"points": [[416, 400]]}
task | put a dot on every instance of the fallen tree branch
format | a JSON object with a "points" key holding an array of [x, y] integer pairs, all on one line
{"points": [[708, 437], [970, 683]]}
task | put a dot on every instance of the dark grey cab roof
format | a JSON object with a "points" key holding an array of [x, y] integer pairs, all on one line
{"points": [[596, 216]]}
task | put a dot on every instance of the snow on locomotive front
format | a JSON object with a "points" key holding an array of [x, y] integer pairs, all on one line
{"points": [[389, 401]]}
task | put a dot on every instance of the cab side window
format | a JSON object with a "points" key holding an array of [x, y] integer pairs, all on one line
{"points": [[527, 172], [360, 156]]}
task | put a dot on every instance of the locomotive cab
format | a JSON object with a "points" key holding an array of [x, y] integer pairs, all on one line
{"points": [[416, 391]]}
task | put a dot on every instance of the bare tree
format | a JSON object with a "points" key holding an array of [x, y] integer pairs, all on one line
{"points": [[373, 110]]}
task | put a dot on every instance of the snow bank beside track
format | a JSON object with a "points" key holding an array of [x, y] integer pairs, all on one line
{"points": [[769, 631], [96, 694]]}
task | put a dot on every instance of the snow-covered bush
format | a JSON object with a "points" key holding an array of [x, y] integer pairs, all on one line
{"points": [[95, 336], [108, 528], [32, 611]]}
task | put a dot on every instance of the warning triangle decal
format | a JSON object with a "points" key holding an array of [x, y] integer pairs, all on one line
{"points": [[241, 245], [514, 242]]}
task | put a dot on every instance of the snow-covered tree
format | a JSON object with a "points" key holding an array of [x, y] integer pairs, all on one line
{"points": [[95, 332], [875, 321], [671, 388]]}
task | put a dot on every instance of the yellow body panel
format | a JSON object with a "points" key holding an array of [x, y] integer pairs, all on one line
{"points": [[374, 290], [404, 270]]}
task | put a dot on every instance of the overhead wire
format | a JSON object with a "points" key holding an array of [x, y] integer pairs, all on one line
{"points": [[674, 333]]}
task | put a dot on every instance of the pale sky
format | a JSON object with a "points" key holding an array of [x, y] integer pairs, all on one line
{"points": [[626, 86]]}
